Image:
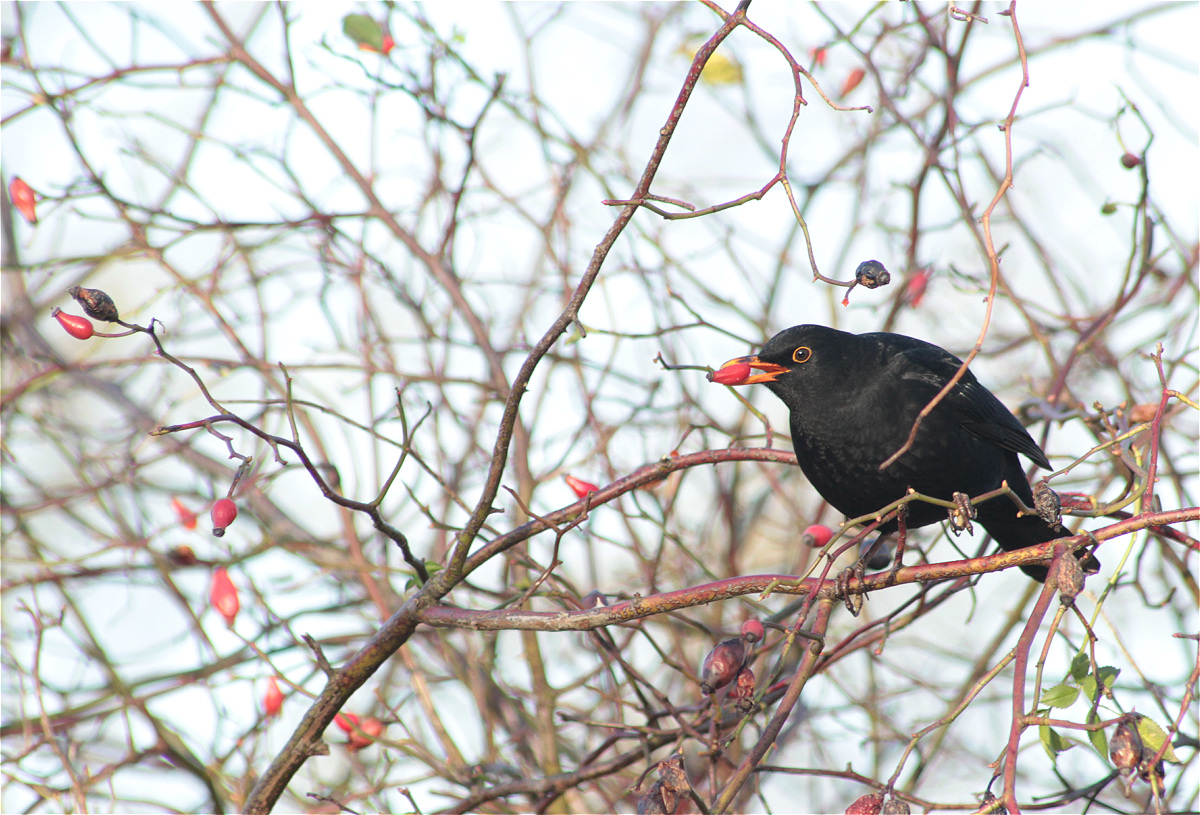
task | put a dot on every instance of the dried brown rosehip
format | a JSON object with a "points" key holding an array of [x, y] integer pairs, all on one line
{"points": [[722, 665], [894, 806], [1069, 576], [872, 275], [743, 690], [182, 555], [96, 304], [866, 805], [78, 327], [1047, 503], [224, 596], [1125, 747], [223, 514]]}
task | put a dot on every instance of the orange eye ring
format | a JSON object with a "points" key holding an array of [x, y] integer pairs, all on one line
{"points": [[802, 354]]}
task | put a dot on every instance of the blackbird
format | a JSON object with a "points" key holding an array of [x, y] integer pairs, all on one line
{"points": [[853, 399]]}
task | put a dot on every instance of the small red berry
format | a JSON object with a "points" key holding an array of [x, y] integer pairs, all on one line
{"points": [[24, 199], [853, 80], [224, 595], [223, 514], [78, 327], [186, 517], [273, 698], [818, 55], [914, 289], [372, 729], [346, 721], [753, 631], [817, 536], [582, 488], [1129, 161], [733, 373]]}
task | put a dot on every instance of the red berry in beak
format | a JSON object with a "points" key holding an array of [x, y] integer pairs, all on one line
{"points": [[732, 374]]}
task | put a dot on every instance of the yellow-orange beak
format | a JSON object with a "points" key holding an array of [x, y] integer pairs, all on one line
{"points": [[740, 371]]}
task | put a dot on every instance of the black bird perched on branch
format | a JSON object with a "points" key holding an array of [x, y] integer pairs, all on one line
{"points": [[853, 400]]}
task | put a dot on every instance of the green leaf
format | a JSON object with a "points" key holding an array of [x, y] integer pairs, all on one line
{"points": [[1053, 742], [1153, 737], [1108, 209], [1108, 675], [363, 30], [1081, 666], [1060, 696], [1098, 738]]}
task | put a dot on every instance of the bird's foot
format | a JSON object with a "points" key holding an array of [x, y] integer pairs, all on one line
{"points": [[962, 514], [854, 602]]}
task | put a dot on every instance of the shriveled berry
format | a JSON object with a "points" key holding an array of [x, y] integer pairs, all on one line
{"points": [[580, 487], [182, 555], [23, 198], [1125, 748], [96, 303], [224, 595], [722, 664], [866, 805], [872, 274], [78, 327], [743, 690], [734, 373], [1047, 503], [753, 631], [224, 512], [816, 536], [1069, 576], [273, 698], [894, 806]]}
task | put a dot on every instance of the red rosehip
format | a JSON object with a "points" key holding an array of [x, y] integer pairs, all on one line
{"points": [[273, 698], [733, 373], [752, 630], [224, 595], [223, 514], [372, 729], [346, 721], [23, 198], [819, 55], [817, 535], [186, 517], [853, 80], [581, 488], [914, 289], [78, 327], [1129, 161], [388, 44]]}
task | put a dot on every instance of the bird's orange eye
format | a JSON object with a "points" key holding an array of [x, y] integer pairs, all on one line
{"points": [[802, 354]]}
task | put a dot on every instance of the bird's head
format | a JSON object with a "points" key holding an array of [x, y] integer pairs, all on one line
{"points": [[787, 351]]}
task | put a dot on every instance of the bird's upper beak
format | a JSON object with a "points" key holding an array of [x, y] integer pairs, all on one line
{"points": [[740, 371]]}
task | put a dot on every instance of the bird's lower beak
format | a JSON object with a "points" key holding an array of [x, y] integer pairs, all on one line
{"points": [[740, 371]]}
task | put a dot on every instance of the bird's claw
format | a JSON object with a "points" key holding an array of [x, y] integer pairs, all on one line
{"points": [[854, 602], [962, 514]]}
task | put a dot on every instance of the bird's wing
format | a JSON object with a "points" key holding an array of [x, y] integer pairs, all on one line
{"points": [[978, 409]]}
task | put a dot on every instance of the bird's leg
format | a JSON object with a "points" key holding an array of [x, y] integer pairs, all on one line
{"points": [[962, 514], [901, 539], [854, 602]]}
